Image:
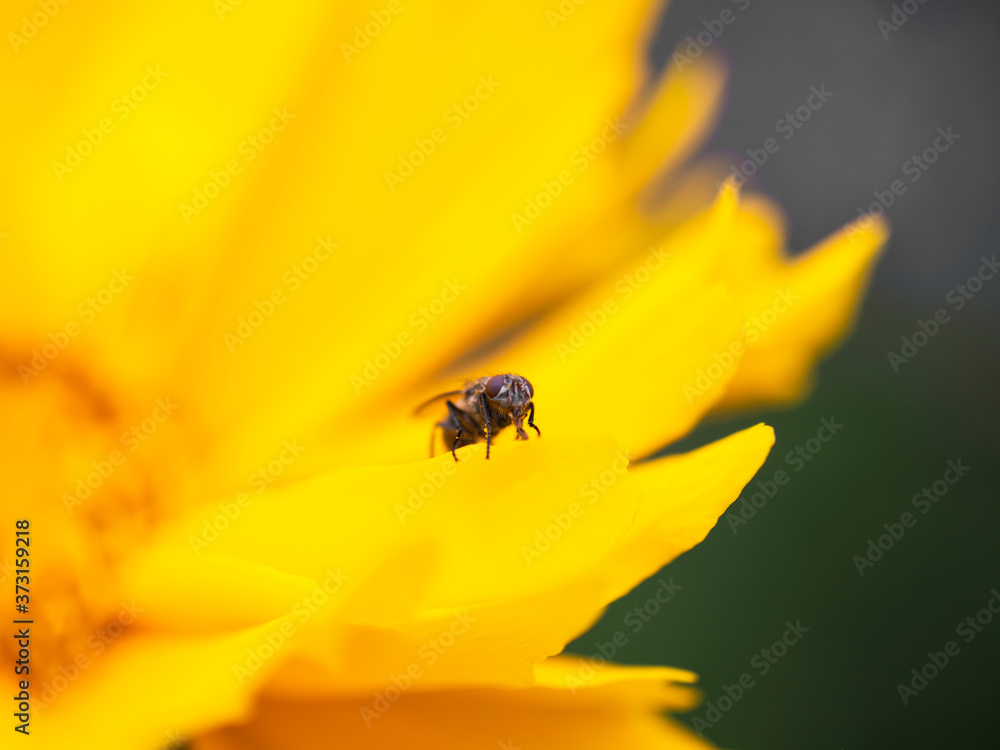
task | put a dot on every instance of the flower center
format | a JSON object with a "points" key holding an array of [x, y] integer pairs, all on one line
{"points": [[92, 471]]}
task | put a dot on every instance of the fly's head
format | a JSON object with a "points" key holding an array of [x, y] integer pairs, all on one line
{"points": [[512, 395]]}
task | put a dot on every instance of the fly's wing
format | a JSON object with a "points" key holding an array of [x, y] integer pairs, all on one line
{"points": [[434, 400]]}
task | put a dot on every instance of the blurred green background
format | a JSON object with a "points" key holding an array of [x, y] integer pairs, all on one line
{"points": [[794, 559]]}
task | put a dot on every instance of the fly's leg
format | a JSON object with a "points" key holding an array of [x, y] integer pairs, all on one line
{"points": [[531, 419], [486, 421], [459, 421]]}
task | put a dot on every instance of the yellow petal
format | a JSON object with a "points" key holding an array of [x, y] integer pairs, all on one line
{"points": [[477, 537], [195, 281], [158, 687], [681, 115], [228, 593], [658, 317], [796, 309], [627, 355], [568, 530], [616, 707], [683, 497]]}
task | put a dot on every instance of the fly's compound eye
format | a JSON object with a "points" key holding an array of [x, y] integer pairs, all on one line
{"points": [[531, 391], [493, 385]]}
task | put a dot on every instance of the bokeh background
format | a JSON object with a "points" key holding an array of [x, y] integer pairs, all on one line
{"points": [[837, 687]]}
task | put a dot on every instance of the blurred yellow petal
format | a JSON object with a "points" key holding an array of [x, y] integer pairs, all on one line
{"points": [[680, 115], [218, 269], [228, 593], [795, 309], [160, 689], [616, 707], [661, 314]]}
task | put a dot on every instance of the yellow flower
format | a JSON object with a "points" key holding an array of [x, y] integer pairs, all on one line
{"points": [[242, 241]]}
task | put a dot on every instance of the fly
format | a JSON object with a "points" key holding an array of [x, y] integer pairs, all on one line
{"points": [[483, 408]]}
